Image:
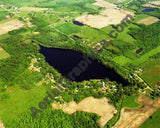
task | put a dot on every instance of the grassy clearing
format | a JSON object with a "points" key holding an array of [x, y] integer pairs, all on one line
{"points": [[121, 60], [146, 56], [151, 72], [3, 54], [21, 101], [153, 121], [91, 34], [140, 17], [130, 102], [68, 28]]}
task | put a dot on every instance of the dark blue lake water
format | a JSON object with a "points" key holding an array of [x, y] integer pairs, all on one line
{"points": [[66, 60], [78, 23], [148, 10]]}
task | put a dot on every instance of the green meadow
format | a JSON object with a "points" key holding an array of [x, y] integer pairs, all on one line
{"points": [[130, 102], [3, 54]]}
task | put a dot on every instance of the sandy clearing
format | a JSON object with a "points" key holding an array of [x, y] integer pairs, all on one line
{"points": [[133, 118], [32, 9], [111, 16], [1, 125], [148, 20], [155, 2], [32, 68], [93, 21], [92, 105], [1, 48], [105, 4], [150, 5], [11, 25]]}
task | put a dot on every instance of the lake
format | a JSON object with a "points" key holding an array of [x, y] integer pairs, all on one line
{"points": [[148, 10], [67, 61]]}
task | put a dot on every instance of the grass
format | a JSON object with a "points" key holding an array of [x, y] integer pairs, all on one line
{"points": [[21, 101], [3, 54], [146, 56], [130, 102], [140, 17], [3, 14], [92, 34], [151, 72], [68, 28], [152, 122], [122, 60]]}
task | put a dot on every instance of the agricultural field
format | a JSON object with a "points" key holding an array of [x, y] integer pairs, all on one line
{"points": [[151, 122], [148, 20], [11, 25], [27, 78], [68, 28], [151, 72]]}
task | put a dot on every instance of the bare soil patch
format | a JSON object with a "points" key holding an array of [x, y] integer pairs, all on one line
{"points": [[150, 5], [32, 68], [148, 20], [11, 25], [155, 2], [111, 16], [105, 4], [1, 125], [1, 48], [32, 9], [92, 105], [133, 118]]}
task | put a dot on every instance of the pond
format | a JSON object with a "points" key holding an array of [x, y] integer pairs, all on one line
{"points": [[77, 36], [139, 50], [76, 67], [148, 10], [78, 23]]}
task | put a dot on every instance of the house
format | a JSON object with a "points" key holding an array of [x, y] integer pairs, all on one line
{"points": [[8, 16], [1, 5]]}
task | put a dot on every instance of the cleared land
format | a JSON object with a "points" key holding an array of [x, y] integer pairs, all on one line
{"points": [[1, 125], [133, 118], [153, 121], [105, 4], [150, 5], [155, 2], [11, 25], [148, 21], [111, 16], [32, 9], [3, 54], [92, 105]]}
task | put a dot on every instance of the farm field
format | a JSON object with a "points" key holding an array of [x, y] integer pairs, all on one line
{"points": [[89, 34], [148, 20], [152, 121], [68, 28], [151, 73], [11, 25], [101, 108], [133, 118]]}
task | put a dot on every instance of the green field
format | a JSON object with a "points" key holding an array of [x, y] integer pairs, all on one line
{"points": [[92, 34], [146, 56], [3, 54], [122, 60], [140, 17], [3, 14], [151, 72], [130, 102], [68, 28], [152, 122]]}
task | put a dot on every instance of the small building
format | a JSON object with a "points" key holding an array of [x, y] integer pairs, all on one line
{"points": [[8, 16]]}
